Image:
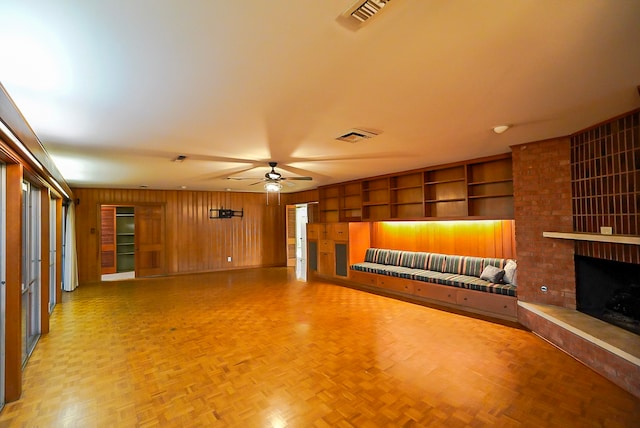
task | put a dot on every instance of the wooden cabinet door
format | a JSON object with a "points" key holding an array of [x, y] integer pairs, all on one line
{"points": [[339, 231], [150, 242], [326, 264], [313, 231], [108, 239]]}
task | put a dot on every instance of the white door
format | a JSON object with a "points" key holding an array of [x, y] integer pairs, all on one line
{"points": [[301, 242]]}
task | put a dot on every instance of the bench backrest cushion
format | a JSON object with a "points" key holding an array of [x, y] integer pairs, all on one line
{"points": [[376, 255], [499, 263], [437, 262], [393, 258], [472, 266], [453, 264], [406, 258], [421, 261]]}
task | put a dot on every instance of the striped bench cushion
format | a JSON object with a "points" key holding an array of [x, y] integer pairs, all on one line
{"points": [[437, 262], [443, 269]]}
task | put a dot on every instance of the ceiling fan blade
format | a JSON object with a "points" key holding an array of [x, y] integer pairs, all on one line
{"points": [[297, 178], [243, 178], [257, 182]]}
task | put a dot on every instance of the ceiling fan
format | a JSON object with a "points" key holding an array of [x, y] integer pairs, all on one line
{"points": [[271, 179]]}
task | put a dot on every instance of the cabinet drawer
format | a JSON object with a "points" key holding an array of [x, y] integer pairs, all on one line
{"points": [[338, 231], [325, 246], [395, 284], [313, 231], [494, 303], [362, 277], [435, 291]]}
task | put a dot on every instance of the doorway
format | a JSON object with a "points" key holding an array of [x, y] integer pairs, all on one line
{"points": [[132, 241], [31, 239], [301, 242], [117, 246], [297, 218]]}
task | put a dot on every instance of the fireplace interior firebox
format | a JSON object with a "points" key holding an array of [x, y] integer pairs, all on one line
{"points": [[610, 291]]}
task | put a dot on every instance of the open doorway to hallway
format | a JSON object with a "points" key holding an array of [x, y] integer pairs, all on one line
{"points": [[297, 219]]}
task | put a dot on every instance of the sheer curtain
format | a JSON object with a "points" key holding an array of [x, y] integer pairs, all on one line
{"points": [[70, 276]]}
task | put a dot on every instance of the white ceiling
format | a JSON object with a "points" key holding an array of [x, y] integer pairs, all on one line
{"points": [[116, 89]]}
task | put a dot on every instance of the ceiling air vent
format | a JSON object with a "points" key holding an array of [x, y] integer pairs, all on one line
{"points": [[355, 135], [367, 9], [361, 12]]}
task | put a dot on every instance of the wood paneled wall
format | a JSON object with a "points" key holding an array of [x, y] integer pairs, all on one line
{"points": [[480, 238], [303, 197], [194, 242]]}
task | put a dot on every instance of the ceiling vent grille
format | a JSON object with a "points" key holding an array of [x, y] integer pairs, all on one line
{"points": [[355, 135], [368, 9], [360, 13]]}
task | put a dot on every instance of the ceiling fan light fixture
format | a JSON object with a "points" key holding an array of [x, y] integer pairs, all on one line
{"points": [[272, 186], [273, 175]]}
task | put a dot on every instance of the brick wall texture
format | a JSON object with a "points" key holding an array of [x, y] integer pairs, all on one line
{"points": [[542, 202]]}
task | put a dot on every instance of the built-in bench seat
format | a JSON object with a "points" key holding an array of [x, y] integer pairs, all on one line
{"points": [[424, 274]]}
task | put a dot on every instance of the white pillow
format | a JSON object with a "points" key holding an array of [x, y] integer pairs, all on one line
{"points": [[510, 272]]}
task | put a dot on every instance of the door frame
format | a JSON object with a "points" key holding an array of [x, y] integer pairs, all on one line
{"points": [[3, 279]]}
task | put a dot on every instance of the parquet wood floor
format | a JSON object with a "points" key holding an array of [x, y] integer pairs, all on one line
{"points": [[256, 348]]}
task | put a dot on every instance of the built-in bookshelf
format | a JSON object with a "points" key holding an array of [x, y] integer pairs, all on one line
{"points": [[490, 188], [351, 202], [445, 192], [125, 239], [375, 199], [329, 204], [406, 196], [479, 188]]}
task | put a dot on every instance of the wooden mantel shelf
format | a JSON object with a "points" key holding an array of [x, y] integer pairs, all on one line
{"points": [[595, 237]]}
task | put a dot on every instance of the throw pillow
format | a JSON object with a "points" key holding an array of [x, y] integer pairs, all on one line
{"points": [[510, 272], [492, 274]]}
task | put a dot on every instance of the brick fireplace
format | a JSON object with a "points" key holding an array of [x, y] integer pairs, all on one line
{"points": [[578, 184]]}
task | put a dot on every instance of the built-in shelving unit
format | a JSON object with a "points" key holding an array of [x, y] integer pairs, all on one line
{"points": [[125, 239], [406, 196], [351, 202], [330, 204], [477, 189], [445, 192], [375, 199], [490, 188]]}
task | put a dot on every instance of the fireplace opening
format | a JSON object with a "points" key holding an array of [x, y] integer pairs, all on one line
{"points": [[609, 290]]}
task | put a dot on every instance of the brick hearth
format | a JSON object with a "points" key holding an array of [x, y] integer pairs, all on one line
{"points": [[542, 173]]}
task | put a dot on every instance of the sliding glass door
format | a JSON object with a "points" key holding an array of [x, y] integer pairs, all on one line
{"points": [[31, 235]]}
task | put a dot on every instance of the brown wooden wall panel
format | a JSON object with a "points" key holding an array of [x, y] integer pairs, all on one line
{"points": [[486, 238], [13, 324], [303, 197], [194, 243]]}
